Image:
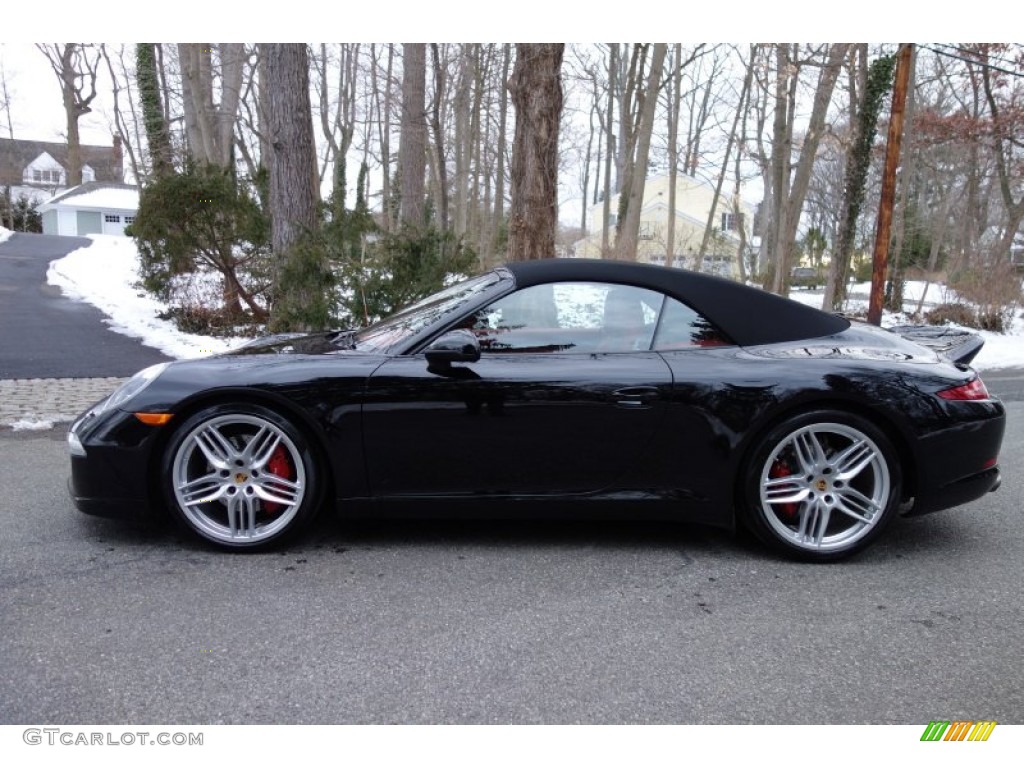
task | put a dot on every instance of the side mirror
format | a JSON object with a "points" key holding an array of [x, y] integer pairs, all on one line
{"points": [[459, 346]]}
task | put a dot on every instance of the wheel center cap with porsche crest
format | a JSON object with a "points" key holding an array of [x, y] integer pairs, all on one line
{"points": [[241, 477], [821, 485]]}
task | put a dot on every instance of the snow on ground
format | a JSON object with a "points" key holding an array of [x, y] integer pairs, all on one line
{"points": [[4, 234], [105, 275], [34, 423]]}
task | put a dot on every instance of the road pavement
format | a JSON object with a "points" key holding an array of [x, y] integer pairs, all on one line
{"points": [[105, 622]]}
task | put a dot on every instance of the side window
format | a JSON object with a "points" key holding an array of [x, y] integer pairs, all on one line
{"points": [[570, 317], [682, 327]]}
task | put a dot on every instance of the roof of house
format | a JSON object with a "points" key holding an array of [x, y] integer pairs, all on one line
{"points": [[98, 194], [16, 154]]}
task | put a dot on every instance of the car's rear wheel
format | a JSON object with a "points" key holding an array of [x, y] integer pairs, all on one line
{"points": [[240, 476], [822, 485]]}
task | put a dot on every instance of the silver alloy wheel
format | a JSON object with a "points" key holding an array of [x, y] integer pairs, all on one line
{"points": [[824, 487], [227, 481]]}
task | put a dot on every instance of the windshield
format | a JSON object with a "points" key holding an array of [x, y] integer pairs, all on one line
{"points": [[384, 335]]}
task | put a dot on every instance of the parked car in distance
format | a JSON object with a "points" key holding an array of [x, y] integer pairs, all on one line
{"points": [[804, 277]]}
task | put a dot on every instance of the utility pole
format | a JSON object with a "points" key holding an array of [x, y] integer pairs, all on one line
{"points": [[880, 259]]}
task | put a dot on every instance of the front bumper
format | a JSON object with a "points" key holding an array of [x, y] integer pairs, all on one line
{"points": [[109, 475]]}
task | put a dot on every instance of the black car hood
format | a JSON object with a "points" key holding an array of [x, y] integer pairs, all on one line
{"points": [[323, 343]]}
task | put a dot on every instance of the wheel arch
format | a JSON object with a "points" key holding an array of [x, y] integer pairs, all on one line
{"points": [[893, 431], [315, 435]]}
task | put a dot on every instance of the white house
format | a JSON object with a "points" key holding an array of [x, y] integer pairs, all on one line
{"points": [[95, 208], [39, 169], [693, 204]]}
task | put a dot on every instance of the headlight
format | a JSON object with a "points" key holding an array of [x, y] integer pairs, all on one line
{"points": [[74, 444], [132, 387]]}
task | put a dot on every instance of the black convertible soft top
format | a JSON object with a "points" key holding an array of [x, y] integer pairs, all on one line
{"points": [[749, 316]]}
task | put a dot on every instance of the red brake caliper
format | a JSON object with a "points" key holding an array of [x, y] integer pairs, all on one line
{"points": [[781, 469], [280, 465]]}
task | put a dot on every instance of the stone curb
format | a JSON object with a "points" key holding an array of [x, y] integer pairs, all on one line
{"points": [[39, 403]]}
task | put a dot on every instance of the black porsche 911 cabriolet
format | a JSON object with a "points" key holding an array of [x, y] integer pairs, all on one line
{"points": [[640, 390]]}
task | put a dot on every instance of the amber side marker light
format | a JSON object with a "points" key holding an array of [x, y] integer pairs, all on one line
{"points": [[972, 390], [154, 419]]}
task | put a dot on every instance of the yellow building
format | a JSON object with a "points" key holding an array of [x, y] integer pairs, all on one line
{"points": [[693, 204]]}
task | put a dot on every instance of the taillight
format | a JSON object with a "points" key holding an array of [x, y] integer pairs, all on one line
{"points": [[972, 390]]}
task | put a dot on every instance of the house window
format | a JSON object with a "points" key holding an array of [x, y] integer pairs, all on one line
{"points": [[129, 219], [648, 230], [46, 177], [731, 221], [112, 218]]}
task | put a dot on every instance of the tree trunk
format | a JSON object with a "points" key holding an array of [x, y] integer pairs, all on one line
{"points": [[439, 155], [413, 142], [626, 242], [463, 138], [157, 135], [384, 131], [500, 173], [210, 129], [76, 73], [858, 160], [710, 224], [790, 198], [609, 153], [536, 90], [675, 103], [294, 190]]}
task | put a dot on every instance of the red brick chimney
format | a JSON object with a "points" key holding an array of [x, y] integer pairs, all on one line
{"points": [[118, 159]]}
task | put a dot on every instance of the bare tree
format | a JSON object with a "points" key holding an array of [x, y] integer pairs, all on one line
{"points": [[153, 116], [294, 184], [1007, 127], [536, 89], [789, 188], [76, 66], [610, 150], [412, 147], [500, 173], [437, 125], [632, 195], [210, 128], [125, 120], [710, 224], [337, 117], [383, 109]]}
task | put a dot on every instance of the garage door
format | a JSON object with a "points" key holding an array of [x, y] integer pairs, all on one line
{"points": [[90, 223]]}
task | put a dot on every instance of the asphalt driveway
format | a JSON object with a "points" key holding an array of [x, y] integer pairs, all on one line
{"points": [[43, 334]]}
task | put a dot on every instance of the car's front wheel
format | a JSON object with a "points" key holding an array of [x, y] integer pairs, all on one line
{"points": [[240, 476], [821, 485]]}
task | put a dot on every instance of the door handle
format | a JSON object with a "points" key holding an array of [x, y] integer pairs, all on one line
{"points": [[635, 397]]}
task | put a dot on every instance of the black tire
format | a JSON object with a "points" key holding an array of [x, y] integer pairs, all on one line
{"points": [[820, 486], [241, 476]]}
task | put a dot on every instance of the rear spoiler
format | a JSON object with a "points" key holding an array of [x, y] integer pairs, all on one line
{"points": [[956, 344]]}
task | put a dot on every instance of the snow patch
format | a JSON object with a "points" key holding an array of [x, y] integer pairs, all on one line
{"points": [[105, 197], [5, 234], [106, 275], [32, 423]]}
